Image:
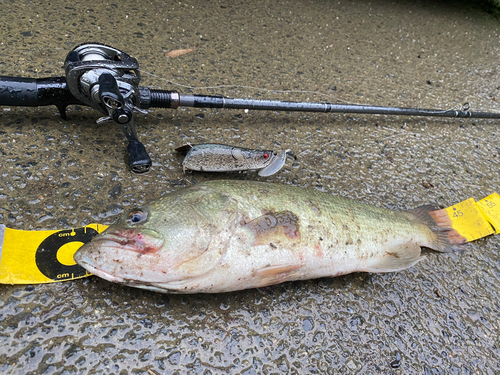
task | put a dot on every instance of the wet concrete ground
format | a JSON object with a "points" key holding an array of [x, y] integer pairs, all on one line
{"points": [[439, 317]]}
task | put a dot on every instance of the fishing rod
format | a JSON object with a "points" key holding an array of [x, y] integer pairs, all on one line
{"points": [[107, 79]]}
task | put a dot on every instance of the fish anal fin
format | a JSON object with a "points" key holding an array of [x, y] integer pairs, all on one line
{"points": [[277, 274], [395, 259]]}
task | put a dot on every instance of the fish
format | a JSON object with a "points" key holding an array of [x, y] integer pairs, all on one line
{"points": [[222, 236], [213, 157]]}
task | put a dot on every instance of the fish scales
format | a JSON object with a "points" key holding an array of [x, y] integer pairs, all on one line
{"points": [[221, 236]]}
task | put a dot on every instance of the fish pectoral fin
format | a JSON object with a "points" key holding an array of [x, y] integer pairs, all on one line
{"points": [[277, 274], [395, 259]]}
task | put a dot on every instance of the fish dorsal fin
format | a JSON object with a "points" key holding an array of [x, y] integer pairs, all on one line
{"points": [[397, 258]]}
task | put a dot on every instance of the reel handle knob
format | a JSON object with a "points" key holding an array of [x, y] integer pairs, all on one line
{"points": [[138, 159]]}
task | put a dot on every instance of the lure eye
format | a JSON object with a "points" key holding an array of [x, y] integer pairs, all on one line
{"points": [[266, 156], [136, 217]]}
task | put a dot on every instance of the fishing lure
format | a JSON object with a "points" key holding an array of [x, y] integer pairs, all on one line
{"points": [[212, 157]]}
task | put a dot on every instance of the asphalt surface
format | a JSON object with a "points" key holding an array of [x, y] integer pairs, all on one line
{"points": [[439, 317]]}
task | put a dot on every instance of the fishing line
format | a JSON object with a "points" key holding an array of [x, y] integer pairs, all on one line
{"points": [[464, 107], [247, 87]]}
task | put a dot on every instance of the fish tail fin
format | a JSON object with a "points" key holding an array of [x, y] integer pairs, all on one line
{"points": [[404, 255], [446, 238]]}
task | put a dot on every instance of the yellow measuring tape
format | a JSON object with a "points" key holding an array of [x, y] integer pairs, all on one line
{"points": [[35, 257], [475, 220]]}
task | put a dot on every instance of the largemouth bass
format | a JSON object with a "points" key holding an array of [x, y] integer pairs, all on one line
{"points": [[221, 236]]}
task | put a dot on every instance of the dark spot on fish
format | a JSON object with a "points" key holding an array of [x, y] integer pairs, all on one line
{"points": [[273, 245], [358, 241], [276, 226], [349, 240], [346, 227], [395, 255], [321, 239]]}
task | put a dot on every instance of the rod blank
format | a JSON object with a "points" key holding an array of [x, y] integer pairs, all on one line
{"points": [[205, 101]]}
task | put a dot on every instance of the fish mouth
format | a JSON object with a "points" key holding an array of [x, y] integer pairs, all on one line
{"points": [[143, 242], [119, 244], [83, 261], [114, 241], [83, 258], [88, 257]]}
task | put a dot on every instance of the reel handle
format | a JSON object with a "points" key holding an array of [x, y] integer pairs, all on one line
{"points": [[111, 97]]}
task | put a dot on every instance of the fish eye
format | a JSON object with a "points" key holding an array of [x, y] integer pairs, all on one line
{"points": [[136, 217], [265, 156]]}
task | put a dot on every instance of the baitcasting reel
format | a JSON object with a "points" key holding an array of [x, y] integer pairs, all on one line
{"points": [[97, 76], [107, 80]]}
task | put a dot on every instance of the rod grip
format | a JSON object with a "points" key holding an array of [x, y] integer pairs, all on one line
{"points": [[35, 92], [16, 91]]}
